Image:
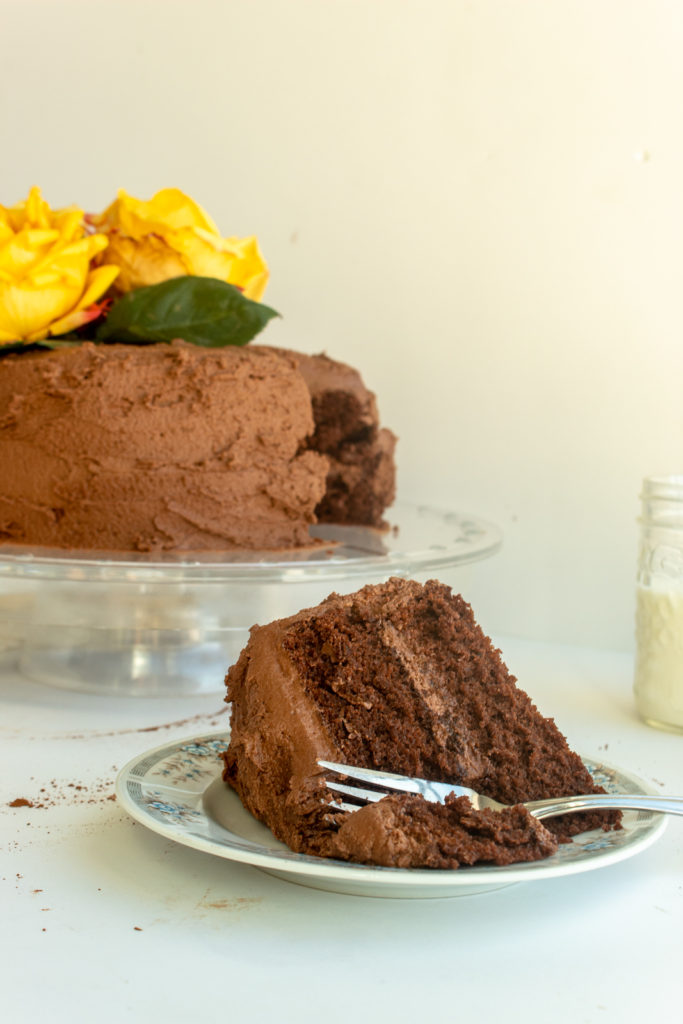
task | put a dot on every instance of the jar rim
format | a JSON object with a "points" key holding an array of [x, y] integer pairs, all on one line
{"points": [[669, 487]]}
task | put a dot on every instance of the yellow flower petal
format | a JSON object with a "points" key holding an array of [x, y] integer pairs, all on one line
{"points": [[69, 221], [25, 309], [168, 209], [216, 242], [249, 271], [37, 210], [8, 337], [144, 262], [35, 237], [99, 281], [46, 273], [201, 258], [256, 286], [71, 321], [174, 236]]}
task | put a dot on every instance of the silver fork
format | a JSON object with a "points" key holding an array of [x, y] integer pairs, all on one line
{"points": [[436, 792]]}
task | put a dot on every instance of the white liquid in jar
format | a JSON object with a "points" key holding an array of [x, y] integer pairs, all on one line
{"points": [[659, 656]]}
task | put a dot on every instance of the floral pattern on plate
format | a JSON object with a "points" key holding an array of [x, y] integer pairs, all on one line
{"points": [[183, 766], [191, 763], [181, 814]]}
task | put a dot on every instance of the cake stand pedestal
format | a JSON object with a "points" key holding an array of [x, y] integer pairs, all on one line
{"points": [[150, 626]]}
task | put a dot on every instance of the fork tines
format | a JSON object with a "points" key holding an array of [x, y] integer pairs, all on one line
{"points": [[384, 783], [376, 784]]}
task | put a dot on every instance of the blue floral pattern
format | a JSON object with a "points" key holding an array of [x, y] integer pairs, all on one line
{"points": [[178, 813], [192, 762]]}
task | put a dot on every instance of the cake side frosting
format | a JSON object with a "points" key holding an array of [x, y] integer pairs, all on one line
{"points": [[276, 739], [156, 447], [397, 677]]}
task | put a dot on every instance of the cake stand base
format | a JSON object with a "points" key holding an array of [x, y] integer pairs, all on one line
{"points": [[140, 625]]}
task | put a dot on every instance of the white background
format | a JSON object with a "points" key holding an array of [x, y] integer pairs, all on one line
{"points": [[478, 203]]}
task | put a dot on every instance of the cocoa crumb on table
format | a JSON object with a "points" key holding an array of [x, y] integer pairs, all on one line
{"points": [[210, 718], [63, 792]]}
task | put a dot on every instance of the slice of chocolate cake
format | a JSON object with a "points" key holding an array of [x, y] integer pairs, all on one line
{"points": [[398, 677]]}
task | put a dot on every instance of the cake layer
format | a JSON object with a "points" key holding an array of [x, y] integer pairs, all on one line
{"points": [[156, 447], [361, 479], [397, 677]]}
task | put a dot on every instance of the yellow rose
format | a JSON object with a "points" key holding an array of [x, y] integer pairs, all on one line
{"points": [[172, 236], [47, 283]]}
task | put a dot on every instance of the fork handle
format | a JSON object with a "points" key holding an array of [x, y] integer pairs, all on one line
{"points": [[605, 801]]}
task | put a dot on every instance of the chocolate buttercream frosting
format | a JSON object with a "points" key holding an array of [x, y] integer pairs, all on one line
{"points": [[178, 448], [399, 677], [407, 832], [156, 448]]}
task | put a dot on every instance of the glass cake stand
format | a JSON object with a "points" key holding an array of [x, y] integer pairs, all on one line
{"points": [[137, 624]]}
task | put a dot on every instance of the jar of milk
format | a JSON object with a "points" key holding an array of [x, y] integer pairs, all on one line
{"points": [[659, 604]]}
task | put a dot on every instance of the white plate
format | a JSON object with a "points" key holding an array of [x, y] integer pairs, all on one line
{"points": [[176, 790]]}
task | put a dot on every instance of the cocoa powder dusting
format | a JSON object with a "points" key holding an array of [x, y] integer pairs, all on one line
{"points": [[58, 793]]}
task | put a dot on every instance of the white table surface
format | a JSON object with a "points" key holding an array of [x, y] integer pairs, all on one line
{"points": [[104, 920]]}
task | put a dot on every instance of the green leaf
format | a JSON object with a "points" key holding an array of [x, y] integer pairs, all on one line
{"points": [[63, 341], [14, 346], [33, 346], [201, 310]]}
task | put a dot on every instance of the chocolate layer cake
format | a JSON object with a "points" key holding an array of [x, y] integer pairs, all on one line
{"points": [[177, 447], [156, 447], [398, 677]]}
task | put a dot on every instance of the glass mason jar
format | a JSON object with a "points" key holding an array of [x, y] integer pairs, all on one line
{"points": [[658, 684]]}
